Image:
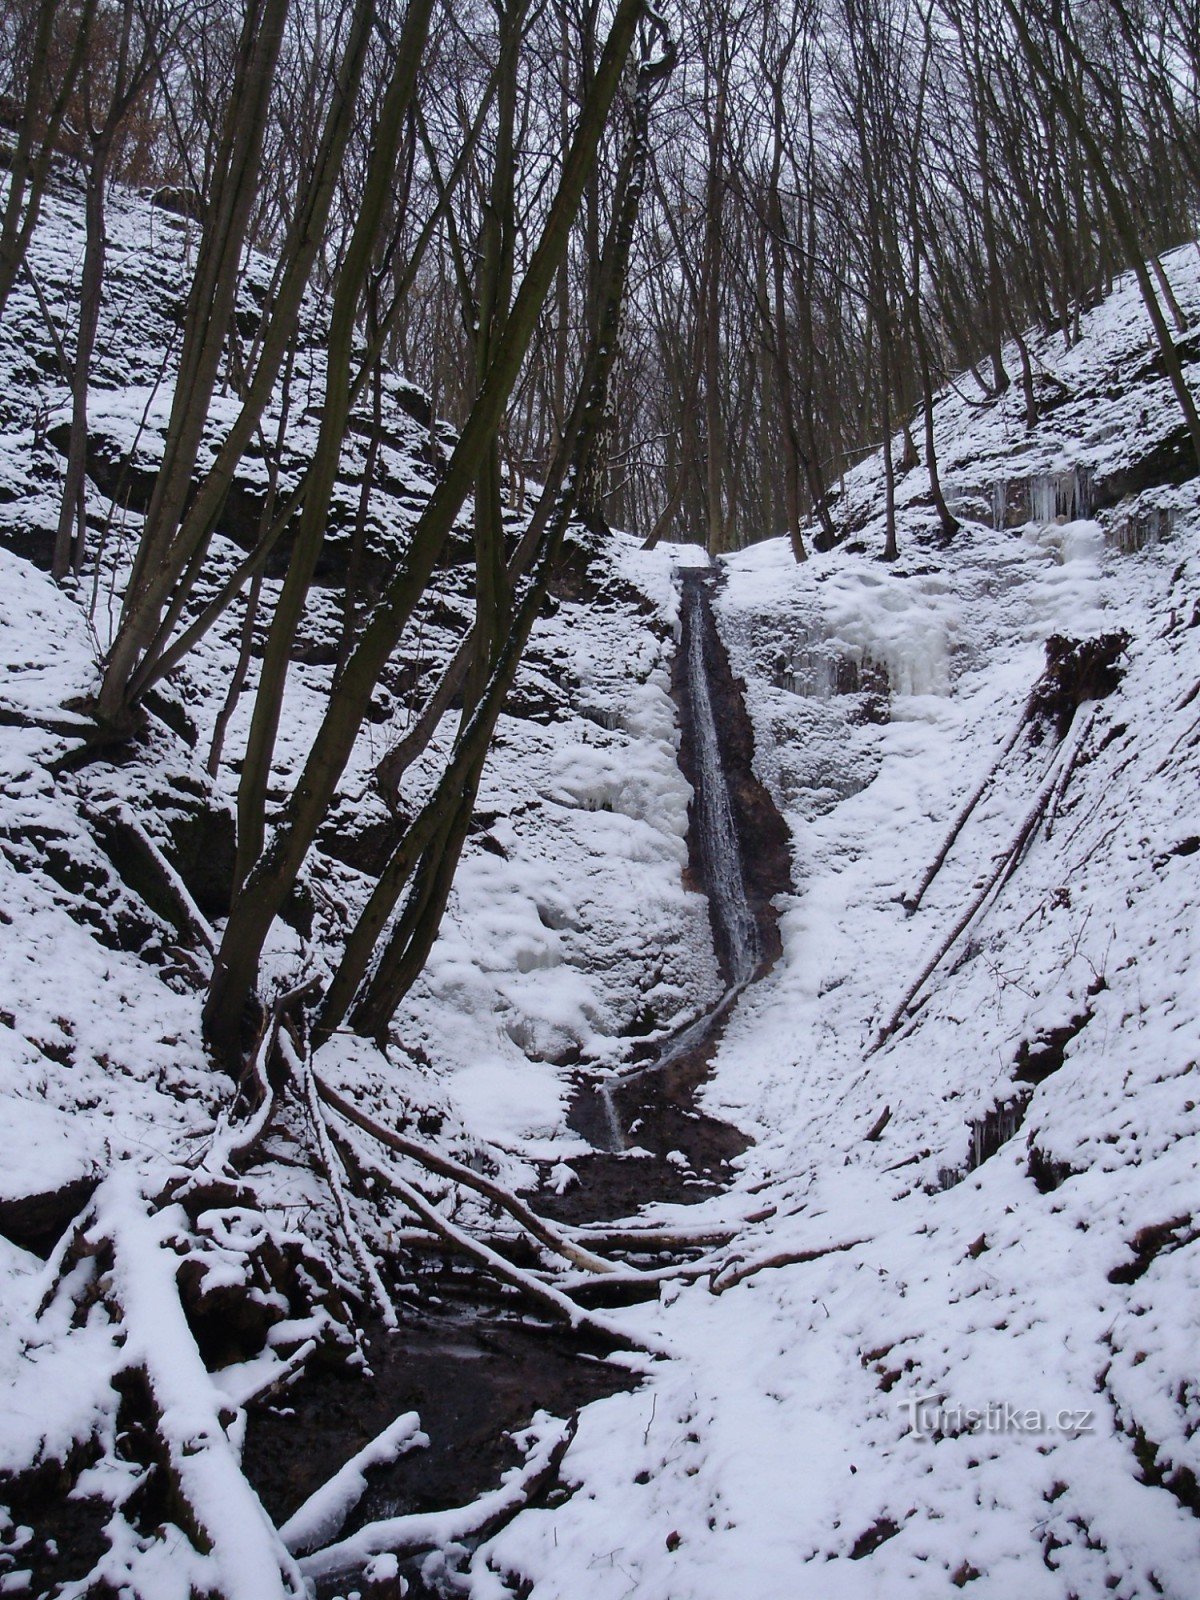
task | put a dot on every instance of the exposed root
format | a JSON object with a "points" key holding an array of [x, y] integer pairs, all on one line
{"points": [[235, 1142], [330, 1163], [1077, 670]]}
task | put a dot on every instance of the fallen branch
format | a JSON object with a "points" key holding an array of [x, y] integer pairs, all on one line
{"points": [[911, 901], [1068, 768], [737, 1269], [1000, 872], [120, 816], [434, 1530], [620, 1288], [250, 1382], [654, 1239], [323, 1515], [543, 1232], [542, 1294], [65, 365], [880, 1123]]}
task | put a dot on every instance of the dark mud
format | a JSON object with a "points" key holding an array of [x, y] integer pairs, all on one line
{"points": [[462, 1359], [471, 1361]]}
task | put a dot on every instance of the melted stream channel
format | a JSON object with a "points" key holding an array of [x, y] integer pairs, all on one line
{"points": [[468, 1356], [739, 855]]}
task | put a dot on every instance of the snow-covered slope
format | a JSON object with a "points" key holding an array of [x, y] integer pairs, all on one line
{"points": [[569, 915], [994, 1213], [569, 927]]}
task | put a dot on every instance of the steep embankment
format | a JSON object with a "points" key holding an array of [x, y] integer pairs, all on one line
{"points": [[959, 1354], [569, 932], [571, 938]]}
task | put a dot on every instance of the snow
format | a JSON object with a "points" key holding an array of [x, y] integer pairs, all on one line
{"points": [[778, 1444], [324, 1513], [886, 1276]]}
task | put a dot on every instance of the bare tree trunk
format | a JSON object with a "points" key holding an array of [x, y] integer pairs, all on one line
{"points": [[310, 535], [429, 854], [1075, 116], [70, 538], [29, 169], [210, 307], [265, 891]]}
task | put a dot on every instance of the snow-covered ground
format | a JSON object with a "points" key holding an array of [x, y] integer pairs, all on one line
{"points": [[814, 1435], [953, 1223]]}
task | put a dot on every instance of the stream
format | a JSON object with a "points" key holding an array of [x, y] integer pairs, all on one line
{"points": [[468, 1356], [739, 855]]}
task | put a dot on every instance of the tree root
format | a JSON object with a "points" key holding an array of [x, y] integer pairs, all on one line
{"points": [[234, 1144], [302, 1072]]}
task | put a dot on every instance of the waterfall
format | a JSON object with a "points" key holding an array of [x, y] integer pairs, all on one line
{"points": [[735, 925], [714, 830]]}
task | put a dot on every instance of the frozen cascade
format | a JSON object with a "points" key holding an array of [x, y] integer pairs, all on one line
{"points": [[735, 922], [737, 933]]}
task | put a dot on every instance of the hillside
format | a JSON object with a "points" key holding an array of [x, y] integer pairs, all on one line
{"points": [[989, 1210], [994, 1213]]}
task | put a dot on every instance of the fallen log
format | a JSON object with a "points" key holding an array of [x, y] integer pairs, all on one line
{"points": [[433, 1530], [546, 1233], [323, 1515]]}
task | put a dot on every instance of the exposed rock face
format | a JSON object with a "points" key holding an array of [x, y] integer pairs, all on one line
{"points": [[761, 832]]}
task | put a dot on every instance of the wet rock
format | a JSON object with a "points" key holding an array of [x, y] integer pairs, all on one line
{"points": [[36, 1222]]}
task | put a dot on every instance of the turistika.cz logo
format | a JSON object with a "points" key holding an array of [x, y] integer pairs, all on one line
{"points": [[931, 1417]]}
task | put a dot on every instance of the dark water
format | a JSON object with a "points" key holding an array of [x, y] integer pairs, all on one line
{"points": [[468, 1356], [739, 856]]}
